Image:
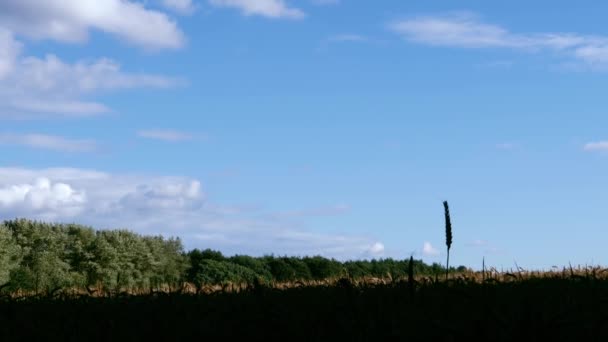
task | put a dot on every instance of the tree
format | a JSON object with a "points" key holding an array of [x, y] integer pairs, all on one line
{"points": [[9, 255], [257, 265], [322, 268]]}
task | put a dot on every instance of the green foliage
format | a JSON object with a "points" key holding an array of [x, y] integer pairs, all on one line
{"points": [[322, 268], [9, 255], [221, 272], [44, 258], [286, 269], [257, 265], [212, 255]]}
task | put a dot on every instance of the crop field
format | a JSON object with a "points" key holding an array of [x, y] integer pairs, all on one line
{"points": [[569, 304]]}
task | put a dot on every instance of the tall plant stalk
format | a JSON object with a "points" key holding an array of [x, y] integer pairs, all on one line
{"points": [[410, 277], [448, 236]]}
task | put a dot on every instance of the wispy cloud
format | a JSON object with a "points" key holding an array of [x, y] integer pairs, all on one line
{"points": [[265, 8], [596, 146], [466, 30], [165, 135], [31, 86], [48, 142]]}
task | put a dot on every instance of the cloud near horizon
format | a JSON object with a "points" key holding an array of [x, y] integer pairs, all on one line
{"points": [[172, 206], [428, 250]]}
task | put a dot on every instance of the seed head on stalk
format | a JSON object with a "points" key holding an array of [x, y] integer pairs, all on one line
{"points": [[448, 235]]}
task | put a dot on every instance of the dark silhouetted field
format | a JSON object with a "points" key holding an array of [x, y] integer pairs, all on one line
{"points": [[505, 307]]}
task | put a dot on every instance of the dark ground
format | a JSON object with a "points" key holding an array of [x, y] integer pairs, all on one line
{"points": [[571, 309]]}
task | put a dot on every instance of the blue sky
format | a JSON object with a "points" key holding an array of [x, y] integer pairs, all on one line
{"points": [[313, 126]]}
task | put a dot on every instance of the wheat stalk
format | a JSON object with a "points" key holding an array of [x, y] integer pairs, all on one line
{"points": [[448, 236], [410, 276]]}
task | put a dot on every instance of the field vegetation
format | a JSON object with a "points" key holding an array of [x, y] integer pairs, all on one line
{"points": [[46, 259], [69, 282]]}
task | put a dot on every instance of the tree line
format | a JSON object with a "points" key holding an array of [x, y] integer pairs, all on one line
{"points": [[44, 257]]}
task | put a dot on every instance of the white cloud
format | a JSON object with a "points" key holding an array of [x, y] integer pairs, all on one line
{"points": [[31, 86], [429, 250], [71, 20], [48, 142], [266, 8], [9, 50], [596, 146], [42, 198], [467, 31], [180, 6], [172, 206], [377, 249], [593, 54], [165, 135], [51, 75], [35, 107], [461, 31]]}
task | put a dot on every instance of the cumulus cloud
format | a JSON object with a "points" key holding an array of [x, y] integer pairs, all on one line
{"points": [[265, 8], [163, 197], [375, 250], [466, 30], [429, 251], [42, 198], [71, 20], [33, 86], [48, 142], [172, 206], [596, 146], [165, 135]]}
